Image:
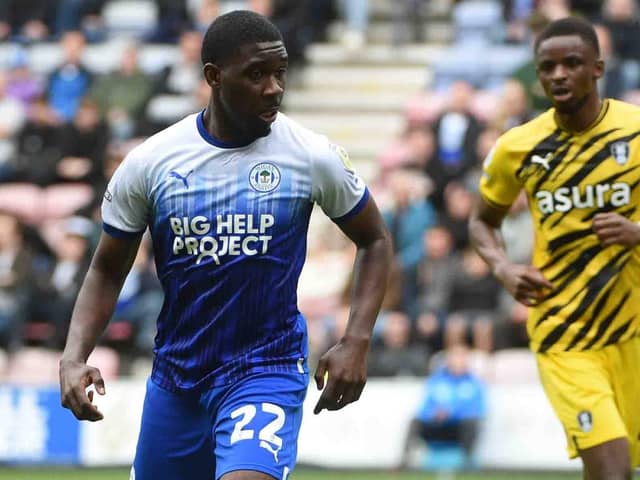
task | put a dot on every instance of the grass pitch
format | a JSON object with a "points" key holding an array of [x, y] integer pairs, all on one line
{"points": [[299, 474]]}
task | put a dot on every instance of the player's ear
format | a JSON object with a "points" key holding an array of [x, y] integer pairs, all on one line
{"points": [[599, 69], [212, 74]]}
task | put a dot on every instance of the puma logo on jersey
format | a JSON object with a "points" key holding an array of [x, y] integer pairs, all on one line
{"points": [[587, 196], [177, 175], [540, 160]]}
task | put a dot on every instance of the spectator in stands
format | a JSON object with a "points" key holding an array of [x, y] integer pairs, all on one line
{"points": [[183, 76], [526, 74], [83, 144], [122, 96], [473, 301], [408, 22], [456, 132], [38, 149], [513, 109], [452, 407], [356, 16], [290, 17], [622, 20], [69, 83], [458, 201], [207, 12], [517, 231], [133, 324], [173, 19], [612, 84], [14, 279], [392, 352], [320, 13], [435, 276], [516, 13], [12, 118], [413, 149], [73, 255], [22, 84], [408, 218], [26, 20], [511, 325], [81, 15]]}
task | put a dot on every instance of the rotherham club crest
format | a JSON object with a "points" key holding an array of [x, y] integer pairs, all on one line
{"points": [[620, 152]]}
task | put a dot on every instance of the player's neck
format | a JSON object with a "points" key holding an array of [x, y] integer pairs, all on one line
{"points": [[583, 118], [218, 127]]}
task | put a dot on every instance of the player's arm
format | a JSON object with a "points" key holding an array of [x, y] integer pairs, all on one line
{"points": [[346, 362], [524, 282], [93, 309]]}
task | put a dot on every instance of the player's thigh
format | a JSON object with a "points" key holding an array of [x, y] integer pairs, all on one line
{"points": [[246, 475], [257, 425], [175, 438], [580, 389], [607, 461]]}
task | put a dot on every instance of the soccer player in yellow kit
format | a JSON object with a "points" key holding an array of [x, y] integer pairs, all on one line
{"points": [[579, 164]]}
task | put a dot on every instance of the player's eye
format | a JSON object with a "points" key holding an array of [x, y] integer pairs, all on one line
{"points": [[255, 75], [545, 67], [281, 73], [573, 62]]}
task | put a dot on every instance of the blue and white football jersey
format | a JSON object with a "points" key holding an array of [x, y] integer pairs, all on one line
{"points": [[229, 226]]}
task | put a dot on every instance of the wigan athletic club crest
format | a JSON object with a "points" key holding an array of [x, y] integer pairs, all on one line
{"points": [[620, 152], [264, 177]]}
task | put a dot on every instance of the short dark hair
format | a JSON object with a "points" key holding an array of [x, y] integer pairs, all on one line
{"points": [[569, 26], [233, 30]]}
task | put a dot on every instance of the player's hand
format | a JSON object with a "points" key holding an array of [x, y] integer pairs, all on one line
{"points": [[524, 282], [345, 366], [75, 377], [612, 228]]}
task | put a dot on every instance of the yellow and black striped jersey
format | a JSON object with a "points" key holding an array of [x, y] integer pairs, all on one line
{"points": [[568, 178]]}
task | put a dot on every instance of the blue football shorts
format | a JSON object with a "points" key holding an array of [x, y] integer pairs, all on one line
{"points": [[250, 425]]}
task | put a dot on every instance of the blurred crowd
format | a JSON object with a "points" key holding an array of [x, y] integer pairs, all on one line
{"points": [[83, 81]]}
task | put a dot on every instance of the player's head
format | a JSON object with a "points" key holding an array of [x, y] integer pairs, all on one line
{"points": [[245, 64], [568, 63]]}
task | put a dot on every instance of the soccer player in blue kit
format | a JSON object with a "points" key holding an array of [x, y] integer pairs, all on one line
{"points": [[227, 195]]}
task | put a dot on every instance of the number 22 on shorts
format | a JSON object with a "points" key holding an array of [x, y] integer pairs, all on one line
{"points": [[269, 440]]}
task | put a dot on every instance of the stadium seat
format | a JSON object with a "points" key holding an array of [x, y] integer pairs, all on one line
{"points": [[153, 58], [33, 366], [514, 366], [43, 58], [103, 57], [8, 54], [33, 204], [169, 108], [478, 22], [130, 17], [467, 63], [502, 61]]}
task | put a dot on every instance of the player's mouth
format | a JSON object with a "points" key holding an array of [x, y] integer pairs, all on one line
{"points": [[561, 94], [270, 115]]}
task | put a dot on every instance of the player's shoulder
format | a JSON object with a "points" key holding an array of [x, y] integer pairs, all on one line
{"points": [[526, 136], [297, 135], [623, 113]]}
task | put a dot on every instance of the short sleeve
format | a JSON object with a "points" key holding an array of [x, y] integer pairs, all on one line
{"points": [[125, 206], [499, 184], [339, 191]]}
